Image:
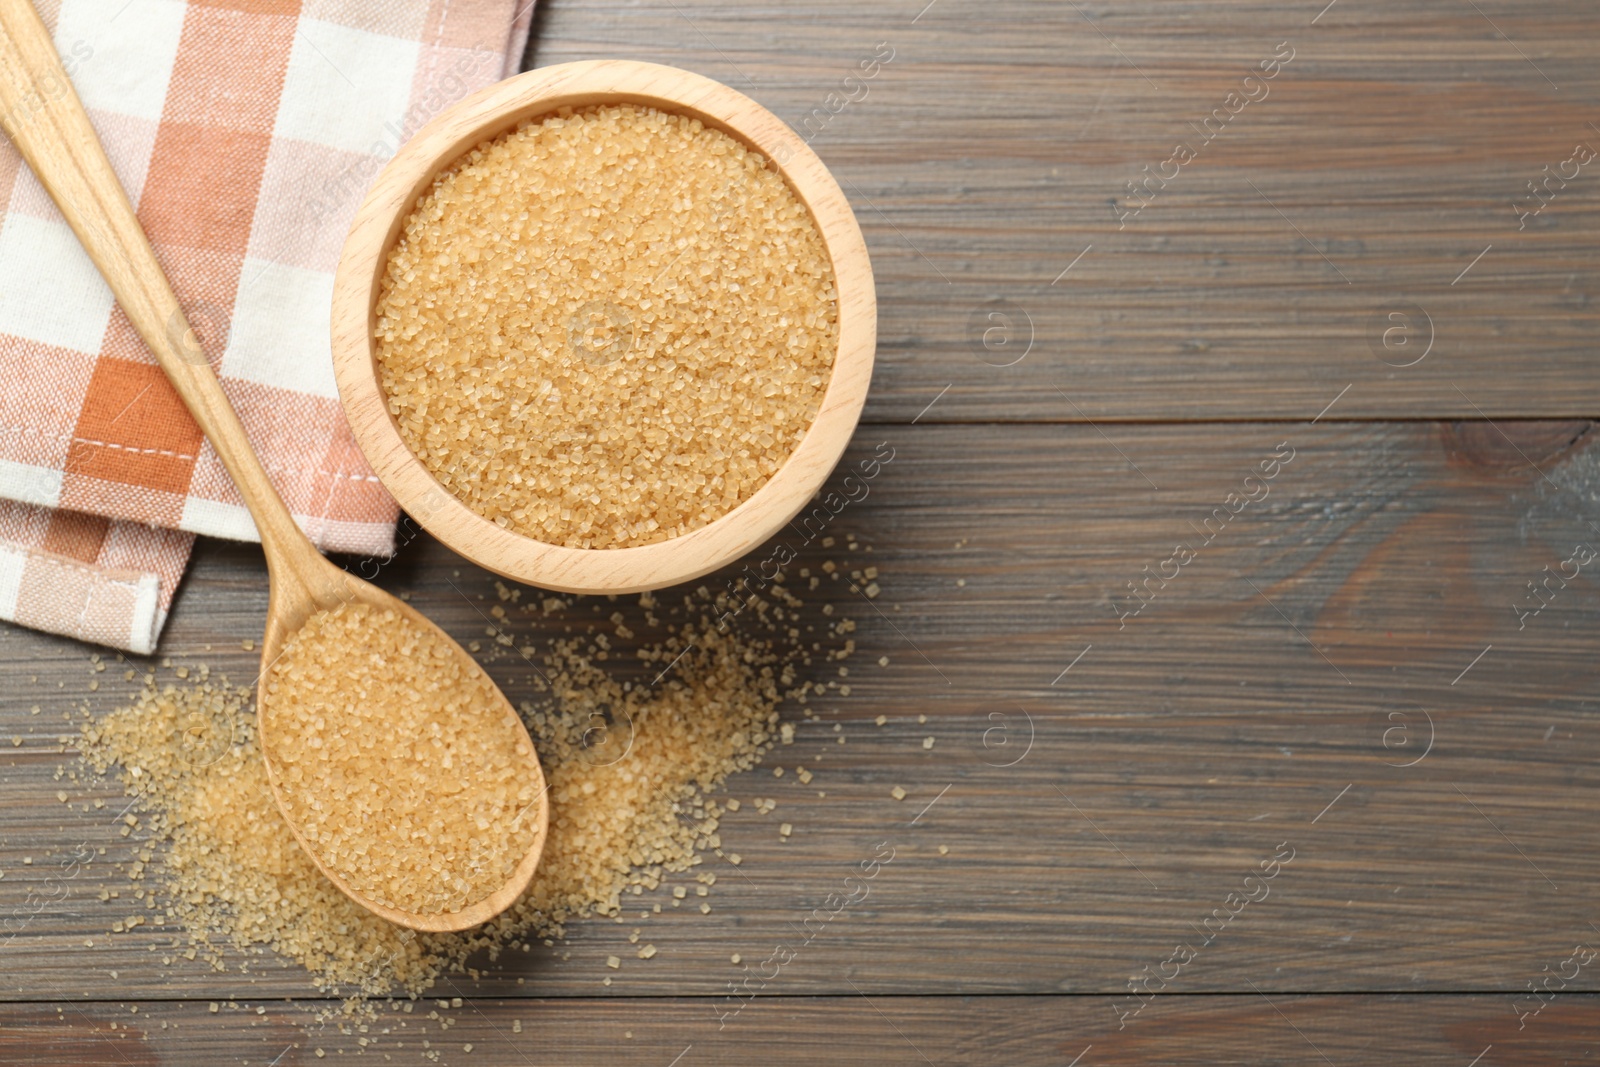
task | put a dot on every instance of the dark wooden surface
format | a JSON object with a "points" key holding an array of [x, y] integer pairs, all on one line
{"points": [[861, 1028], [1339, 670], [1386, 155]]}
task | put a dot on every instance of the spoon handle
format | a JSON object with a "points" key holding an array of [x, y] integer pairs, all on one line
{"points": [[46, 120]]}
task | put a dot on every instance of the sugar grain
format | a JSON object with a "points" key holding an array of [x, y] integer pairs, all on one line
{"points": [[607, 327], [399, 761]]}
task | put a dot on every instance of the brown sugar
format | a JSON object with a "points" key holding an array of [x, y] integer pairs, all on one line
{"points": [[397, 760], [634, 772], [608, 327], [624, 811], [231, 866], [620, 820]]}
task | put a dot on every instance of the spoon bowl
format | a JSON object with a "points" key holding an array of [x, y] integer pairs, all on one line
{"points": [[302, 586], [53, 132]]}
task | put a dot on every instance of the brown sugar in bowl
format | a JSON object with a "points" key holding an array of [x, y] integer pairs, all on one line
{"points": [[495, 111]]}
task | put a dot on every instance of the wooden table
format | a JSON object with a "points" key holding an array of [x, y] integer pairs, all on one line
{"points": [[1343, 277]]}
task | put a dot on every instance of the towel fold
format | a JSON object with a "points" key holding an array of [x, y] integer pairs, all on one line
{"points": [[246, 133]]}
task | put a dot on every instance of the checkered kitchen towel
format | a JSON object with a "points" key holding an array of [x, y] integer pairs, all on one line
{"points": [[246, 133]]}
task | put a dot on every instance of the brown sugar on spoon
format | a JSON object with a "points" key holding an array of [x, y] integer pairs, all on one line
{"points": [[389, 752], [608, 327]]}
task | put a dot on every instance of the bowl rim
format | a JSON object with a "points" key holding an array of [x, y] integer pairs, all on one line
{"points": [[490, 112]]}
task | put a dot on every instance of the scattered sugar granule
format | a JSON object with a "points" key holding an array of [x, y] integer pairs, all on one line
{"points": [[927, 742], [647, 952], [613, 962], [785, 830], [735, 959], [944, 850], [633, 307], [881, 720], [897, 793], [234, 873]]}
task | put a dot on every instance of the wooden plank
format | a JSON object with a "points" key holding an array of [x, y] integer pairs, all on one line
{"points": [[867, 1029], [1247, 706], [1377, 175]]}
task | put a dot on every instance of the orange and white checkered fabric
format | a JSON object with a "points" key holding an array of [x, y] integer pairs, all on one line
{"points": [[246, 133]]}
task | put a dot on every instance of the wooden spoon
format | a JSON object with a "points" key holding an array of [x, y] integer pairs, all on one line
{"points": [[43, 115]]}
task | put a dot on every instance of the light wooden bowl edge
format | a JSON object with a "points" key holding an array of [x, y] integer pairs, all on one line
{"points": [[486, 114]]}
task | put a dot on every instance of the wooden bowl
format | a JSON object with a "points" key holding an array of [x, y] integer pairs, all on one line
{"points": [[491, 112]]}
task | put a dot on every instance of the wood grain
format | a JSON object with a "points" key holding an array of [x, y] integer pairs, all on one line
{"points": [[1168, 763], [866, 1029], [1348, 665], [999, 142]]}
